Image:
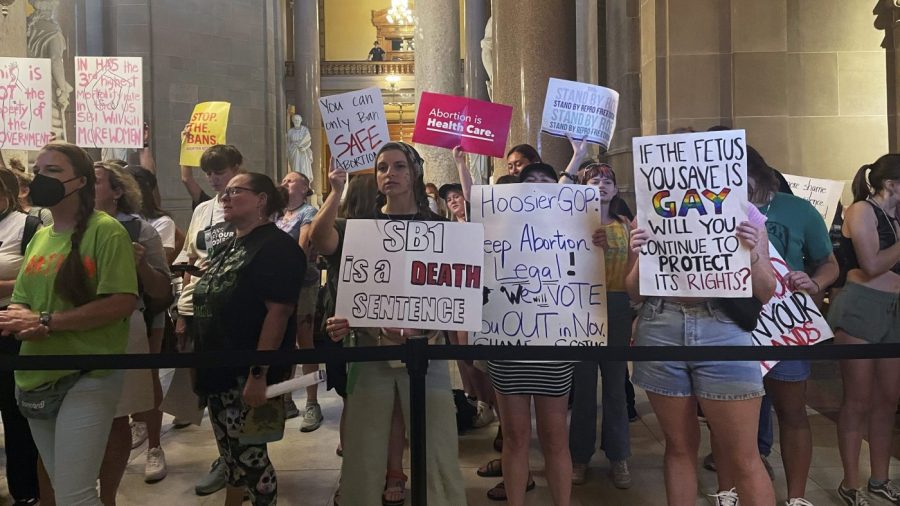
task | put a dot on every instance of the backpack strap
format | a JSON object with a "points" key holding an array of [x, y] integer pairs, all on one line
{"points": [[32, 224], [133, 227]]}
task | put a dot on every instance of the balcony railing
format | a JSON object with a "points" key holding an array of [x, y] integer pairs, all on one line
{"points": [[358, 68]]}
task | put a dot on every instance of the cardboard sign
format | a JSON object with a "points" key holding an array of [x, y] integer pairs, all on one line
{"points": [[790, 318], [411, 274], [823, 194], [447, 121], [109, 102], [356, 127], [544, 280], [691, 193], [580, 110], [209, 124], [25, 103]]}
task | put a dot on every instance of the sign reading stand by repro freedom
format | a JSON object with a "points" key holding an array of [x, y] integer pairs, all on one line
{"points": [[356, 127], [448, 121], [25, 103], [109, 102], [411, 274], [580, 110], [208, 127], [691, 193]]}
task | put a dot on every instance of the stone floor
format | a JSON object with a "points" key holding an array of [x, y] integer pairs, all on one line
{"points": [[309, 469]]}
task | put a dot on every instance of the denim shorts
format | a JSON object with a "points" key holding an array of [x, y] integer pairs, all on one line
{"points": [[790, 370], [665, 323]]}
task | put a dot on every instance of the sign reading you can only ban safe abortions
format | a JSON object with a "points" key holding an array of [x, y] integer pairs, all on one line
{"points": [[448, 121], [109, 102], [580, 110], [25, 95], [411, 274], [544, 280], [356, 127], [691, 193]]}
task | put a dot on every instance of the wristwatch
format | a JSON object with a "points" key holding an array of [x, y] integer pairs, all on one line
{"points": [[44, 319], [258, 371]]}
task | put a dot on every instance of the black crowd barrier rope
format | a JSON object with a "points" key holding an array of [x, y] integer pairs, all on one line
{"points": [[417, 353]]}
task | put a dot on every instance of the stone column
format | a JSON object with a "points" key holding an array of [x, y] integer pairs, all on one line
{"points": [[12, 43], [622, 67], [438, 71], [533, 41], [477, 14], [306, 82]]}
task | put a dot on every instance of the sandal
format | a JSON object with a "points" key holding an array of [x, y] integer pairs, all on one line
{"points": [[492, 469], [498, 440], [498, 493], [395, 485]]}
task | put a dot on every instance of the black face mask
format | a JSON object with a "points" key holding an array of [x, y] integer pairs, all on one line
{"points": [[47, 191]]}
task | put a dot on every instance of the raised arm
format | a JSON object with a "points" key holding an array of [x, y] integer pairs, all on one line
{"points": [[579, 151], [462, 167], [187, 173], [322, 234]]}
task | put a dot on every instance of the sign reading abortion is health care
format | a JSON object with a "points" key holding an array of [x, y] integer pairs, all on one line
{"points": [[208, 127], [447, 121], [544, 280], [580, 110], [356, 127], [411, 274], [691, 193], [823, 194], [25, 107], [109, 102]]}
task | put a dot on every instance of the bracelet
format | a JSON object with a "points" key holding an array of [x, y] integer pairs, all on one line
{"points": [[818, 287], [146, 145], [566, 174]]}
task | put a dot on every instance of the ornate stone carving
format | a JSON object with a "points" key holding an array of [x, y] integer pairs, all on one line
{"points": [[46, 40]]}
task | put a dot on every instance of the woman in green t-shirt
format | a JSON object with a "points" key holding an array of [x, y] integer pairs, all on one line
{"points": [[73, 304]]}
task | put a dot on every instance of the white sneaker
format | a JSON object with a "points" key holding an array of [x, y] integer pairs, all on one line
{"points": [[726, 498], [621, 476], [484, 415], [155, 469], [138, 434], [797, 501]]}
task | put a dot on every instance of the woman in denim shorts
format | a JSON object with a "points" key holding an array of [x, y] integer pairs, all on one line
{"points": [[729, 392], [866, 311]]}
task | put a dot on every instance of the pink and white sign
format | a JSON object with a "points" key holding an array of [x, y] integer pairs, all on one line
{"points": [[448, 121], [25, 113], [109, 102]]}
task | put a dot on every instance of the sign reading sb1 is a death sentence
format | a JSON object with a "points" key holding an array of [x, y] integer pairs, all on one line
{"points": [[411, 274], [208, 127], [580, 110], [356, 127], [448, 121], [25, 103], [691, 193], [544, 279], [109, 102]]}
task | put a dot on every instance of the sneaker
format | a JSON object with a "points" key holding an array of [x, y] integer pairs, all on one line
{"points": [[155, 469], [312, 419], [579, 474], [138, 434], [709, 463], [214, 481], [797, 501], [621, 476], [180, 424], [726, 498], [768, 466], [888, 490], [290, 408], [852, 496], [484, 415]]}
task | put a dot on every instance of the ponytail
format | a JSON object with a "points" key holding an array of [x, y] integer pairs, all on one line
{"points": [[869, 179], [860, 185]]}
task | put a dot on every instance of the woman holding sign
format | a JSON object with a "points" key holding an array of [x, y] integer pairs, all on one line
{"points": [[866, 311]]}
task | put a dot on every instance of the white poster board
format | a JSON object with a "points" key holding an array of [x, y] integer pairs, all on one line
{"points": [[790, 318], [109, 102], [25, 103], [691, 193], [356, 127], [545, 281], [580, 110], [823, 194], [411, 274]]}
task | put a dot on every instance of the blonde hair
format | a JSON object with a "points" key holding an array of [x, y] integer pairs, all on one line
{"points": [[131, 200]]}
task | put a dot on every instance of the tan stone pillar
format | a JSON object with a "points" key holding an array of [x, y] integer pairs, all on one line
{"points": [[534, 40], [306, 83], [12, 43], [623, 74]]}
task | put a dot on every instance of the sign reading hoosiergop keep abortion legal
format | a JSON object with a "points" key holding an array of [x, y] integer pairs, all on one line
{"points": [[477, 126], [691, 193], [25, 103], [411, 274], [544, 280]]}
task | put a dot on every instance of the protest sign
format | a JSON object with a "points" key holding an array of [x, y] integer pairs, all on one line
{"points": [[580, 110], [356, 127], [25, 103], [208, 126], [411, 275], [544, 280], [447, 121], [790, 318], [823, 194], [691, 194], [109, 102]]}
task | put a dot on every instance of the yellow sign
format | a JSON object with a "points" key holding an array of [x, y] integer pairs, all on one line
{"points": [[206, 128]]}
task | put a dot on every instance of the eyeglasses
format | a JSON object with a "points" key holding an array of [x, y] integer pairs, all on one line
{"points": [[231, 191]]}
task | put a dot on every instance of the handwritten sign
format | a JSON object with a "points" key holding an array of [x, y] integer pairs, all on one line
{"points": [[208, 126], [580, 110], [691, 194], [823, 194], [790, 318], [411, 274], [109, 102], [25, 107], [356, 127], [544, 280], [447, 121]]}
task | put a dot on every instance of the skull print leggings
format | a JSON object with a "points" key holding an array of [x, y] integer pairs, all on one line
{"points": [[247, 466]]}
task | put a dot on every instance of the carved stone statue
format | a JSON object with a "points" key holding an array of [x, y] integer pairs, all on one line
{"points": [[299, 148], [487, 55], [46, 40]]}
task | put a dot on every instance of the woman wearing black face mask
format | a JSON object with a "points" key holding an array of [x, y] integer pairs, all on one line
{"points": [[73, 295]]}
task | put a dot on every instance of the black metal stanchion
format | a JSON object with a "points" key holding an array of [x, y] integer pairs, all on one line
{"points": [[417, 367]]}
